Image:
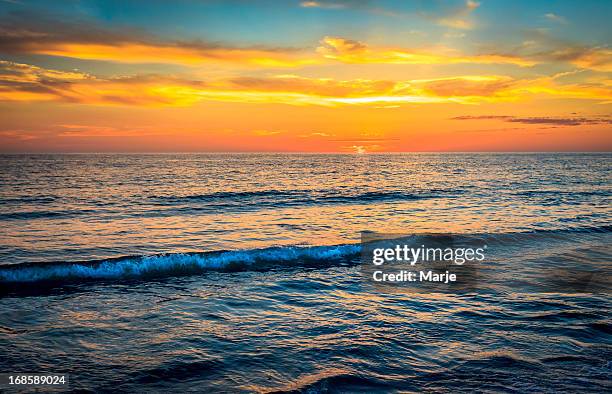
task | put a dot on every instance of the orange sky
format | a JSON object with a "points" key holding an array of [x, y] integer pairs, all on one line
{"points": [[454, 82]]}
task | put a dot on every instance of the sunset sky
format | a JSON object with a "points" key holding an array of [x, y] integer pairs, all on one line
{"points": [[311, 76]]}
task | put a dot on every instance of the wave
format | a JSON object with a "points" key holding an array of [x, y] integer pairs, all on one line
{"points": [[29, 200], [178, 264], [175, 264], [299, 197], [43, 214], [335, 381], [230, 194], [558, 193], [236, 201]]}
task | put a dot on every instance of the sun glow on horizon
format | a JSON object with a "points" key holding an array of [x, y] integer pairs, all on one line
{"points": [[455, 83]]}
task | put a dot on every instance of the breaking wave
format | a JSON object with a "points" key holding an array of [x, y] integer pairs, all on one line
{"points": [[174, 264], [178, 264]]}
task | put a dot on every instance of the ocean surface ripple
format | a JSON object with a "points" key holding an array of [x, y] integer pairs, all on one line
{"points": [[240, 272]]}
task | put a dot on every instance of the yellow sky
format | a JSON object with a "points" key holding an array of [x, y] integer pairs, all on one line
{"points": [[109, 90]]}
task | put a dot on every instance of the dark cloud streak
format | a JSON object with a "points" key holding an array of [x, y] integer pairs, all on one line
{"points": [[541, 120], [21, 31]]}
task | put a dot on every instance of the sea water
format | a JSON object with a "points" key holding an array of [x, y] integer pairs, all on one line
{"points": [[241, 272]]}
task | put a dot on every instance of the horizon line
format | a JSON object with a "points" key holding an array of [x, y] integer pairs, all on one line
{"points": [[287, 152]]}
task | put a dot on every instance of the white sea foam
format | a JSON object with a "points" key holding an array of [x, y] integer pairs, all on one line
{"points": [[180, 263]]}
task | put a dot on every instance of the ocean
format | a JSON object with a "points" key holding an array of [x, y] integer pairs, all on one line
{"points": [[241, 272]]}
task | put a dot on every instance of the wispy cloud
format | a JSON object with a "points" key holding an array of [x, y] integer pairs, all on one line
{"points": [[36, 34], [458, 18], [316, 134], [560, 121], [266, 133], [22, 82], [555, 18], [593, 58], [542, 120], [25, 33], [333, 5], [351, 51], [361, 5], [480, 117], [85, 130], [541, 47]]}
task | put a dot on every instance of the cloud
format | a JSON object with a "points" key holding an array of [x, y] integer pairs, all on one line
{"points": [[34, 34], [480, 117], [21, 135], [316, 134], [362, 5], [458, 18], [265, 133], [312, 4], [541, 47], [83, 130], [541, 120], [486, 86], [332, 5], [593, 58], [351, 51], [315, 86], [555, 18], [22, 82], [560, 121], [454, 17], [26, 33]]}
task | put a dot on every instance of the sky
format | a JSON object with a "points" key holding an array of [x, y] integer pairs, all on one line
{"points": [[305, 76]]}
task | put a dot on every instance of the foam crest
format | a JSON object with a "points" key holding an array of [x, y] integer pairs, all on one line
{"points": [[177, 264]]}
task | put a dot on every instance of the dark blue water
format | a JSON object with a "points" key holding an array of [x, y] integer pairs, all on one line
{"points": [[241, 273]]}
